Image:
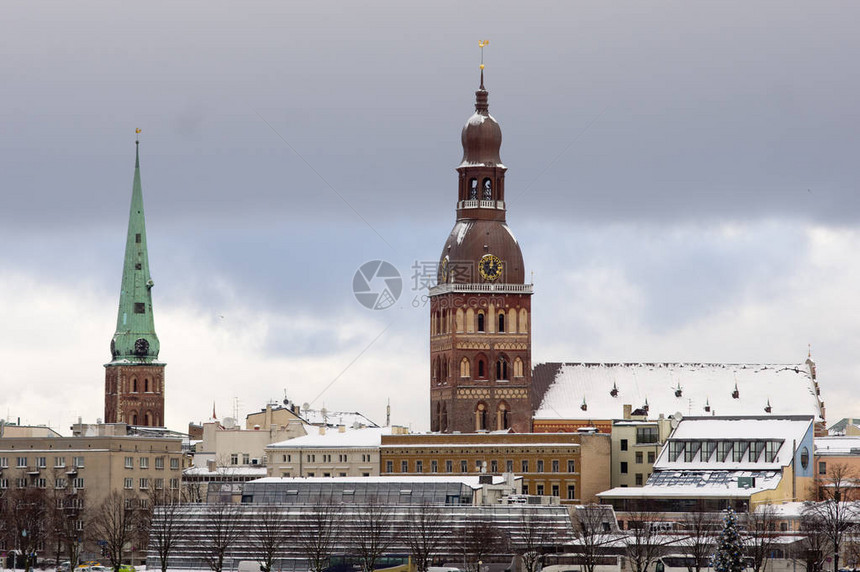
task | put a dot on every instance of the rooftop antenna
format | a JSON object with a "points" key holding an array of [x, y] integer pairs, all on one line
{"points": [[388, 413]]}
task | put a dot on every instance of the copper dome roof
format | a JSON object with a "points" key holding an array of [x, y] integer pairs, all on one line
{"points": [[482, 136], [469, 241]]}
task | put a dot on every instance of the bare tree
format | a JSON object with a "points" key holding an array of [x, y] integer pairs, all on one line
{"points": [[813, 548], [593, 530], [69, 514], [164, 524], [113, 525], [223, 532], [373, 533], [759, 534], [478, 539], [534, 536], [27, 521], [269, 534], [316, 539], [697, 538], [643, 543], [835, 511], [427, 532]]}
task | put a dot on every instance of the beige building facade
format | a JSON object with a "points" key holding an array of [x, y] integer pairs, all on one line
{"points": [[92, 466], [571, 466], [636, 444], [329, 452]]}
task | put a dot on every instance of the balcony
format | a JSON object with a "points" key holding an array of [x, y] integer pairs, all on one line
{"points": [[486, 288], [34, 469], [479, 204]]}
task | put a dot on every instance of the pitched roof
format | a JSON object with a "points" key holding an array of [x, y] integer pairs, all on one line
{"points": [[563, 389], [780, 432]]}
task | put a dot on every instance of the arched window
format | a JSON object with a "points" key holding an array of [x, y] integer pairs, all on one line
{"points": [[502, 421], [502, 368], [444, 422], [480, 321], [464, 367], [481, 417], [438, 416], [488, 190], [146, 387], [518, 367], [444, 369], [473, 189], [148, 419], [436, 369], [133, 418], [502, 322], [134, 385], [482, 374]]}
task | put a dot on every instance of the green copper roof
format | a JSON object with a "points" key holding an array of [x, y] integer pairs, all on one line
{"points": [[135, 340]]}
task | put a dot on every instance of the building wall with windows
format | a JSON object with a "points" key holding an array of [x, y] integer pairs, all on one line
{"points": [[837, 456], [711, 463], [329, 452], [636, 444], [92, 467], [229, 446], [571, 466]]}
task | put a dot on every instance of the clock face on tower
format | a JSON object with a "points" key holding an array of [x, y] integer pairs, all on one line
{"points": [[490, 267], [141, 347]]}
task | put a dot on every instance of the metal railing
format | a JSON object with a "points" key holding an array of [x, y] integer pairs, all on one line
{"points": [[482, 288], [475, 203]]}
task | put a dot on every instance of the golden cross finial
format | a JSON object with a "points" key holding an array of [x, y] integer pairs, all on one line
{"points": [[483, 44], [137, 135]]}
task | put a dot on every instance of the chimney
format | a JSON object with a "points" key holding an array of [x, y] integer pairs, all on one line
{"points": [[210, 465], [341, 428], [322, 429], [628, 410]]}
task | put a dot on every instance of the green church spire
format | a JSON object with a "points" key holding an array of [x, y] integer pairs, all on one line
{"points": [[135, 340]]}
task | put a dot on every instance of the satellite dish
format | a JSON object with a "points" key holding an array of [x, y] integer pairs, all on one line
{"points": [[675, 419]]}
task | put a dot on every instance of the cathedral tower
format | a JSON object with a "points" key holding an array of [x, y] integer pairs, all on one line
{"points": [[480, 311], [134, 379]]}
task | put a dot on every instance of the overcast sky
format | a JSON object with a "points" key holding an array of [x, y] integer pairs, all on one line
{"points": [[682, 179]]}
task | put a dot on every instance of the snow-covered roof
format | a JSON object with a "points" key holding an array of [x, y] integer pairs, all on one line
{"points": [[469, 481], [237, 471], [585, 390], [766, 443], [699, 484], [368, 437], [841, 445]]}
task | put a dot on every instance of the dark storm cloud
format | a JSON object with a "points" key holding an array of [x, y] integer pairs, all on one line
{"points": [[665, 111]]}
